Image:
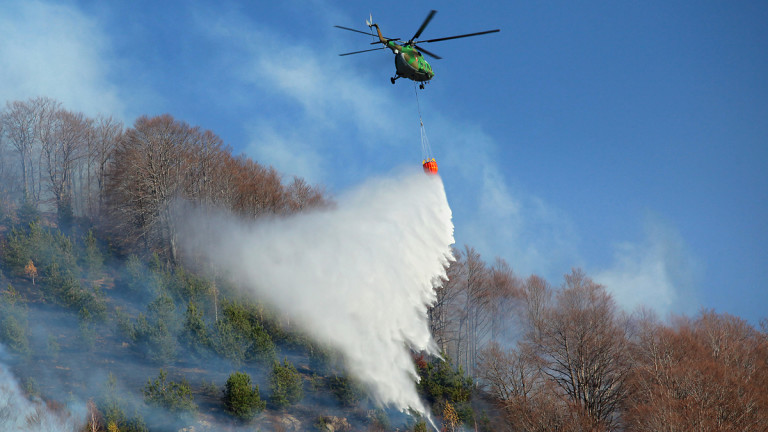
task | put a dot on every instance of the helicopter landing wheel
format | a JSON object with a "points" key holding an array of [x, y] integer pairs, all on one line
{"points": [[392, 80], [421, 86]]}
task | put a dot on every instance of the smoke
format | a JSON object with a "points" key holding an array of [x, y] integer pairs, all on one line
{"points": [[657, 271], [18, 413], [358, 276]]}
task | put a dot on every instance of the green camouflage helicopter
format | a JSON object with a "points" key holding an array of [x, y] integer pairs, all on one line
{"points": [[409, 62]]}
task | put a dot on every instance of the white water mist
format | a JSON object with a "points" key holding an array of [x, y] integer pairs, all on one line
{"points": [[358, 276], [20, 414]]}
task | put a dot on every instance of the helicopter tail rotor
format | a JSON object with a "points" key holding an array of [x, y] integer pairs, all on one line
{"points": [[369, 21]]}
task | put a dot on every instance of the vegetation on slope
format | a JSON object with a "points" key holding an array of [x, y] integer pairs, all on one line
{"points": [[96, 306]]}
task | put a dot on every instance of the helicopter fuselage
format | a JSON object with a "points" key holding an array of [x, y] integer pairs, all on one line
{"points": [[409, 63]]}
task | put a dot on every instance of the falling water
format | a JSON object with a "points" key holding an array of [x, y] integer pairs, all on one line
{"points": [[358, 276]]}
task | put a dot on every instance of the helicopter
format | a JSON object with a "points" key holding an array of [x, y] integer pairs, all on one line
{"points": [[409, 61]]}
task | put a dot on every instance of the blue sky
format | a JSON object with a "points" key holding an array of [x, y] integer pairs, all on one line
{"points": [[626, 138]]}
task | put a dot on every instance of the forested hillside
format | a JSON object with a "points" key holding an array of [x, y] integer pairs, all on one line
{"points": [[98, 310]]}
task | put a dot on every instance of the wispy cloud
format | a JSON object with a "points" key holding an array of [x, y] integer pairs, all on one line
{"points": [[530, 233], [54, 50], [324, 114], [658, 272], [286, 150]]}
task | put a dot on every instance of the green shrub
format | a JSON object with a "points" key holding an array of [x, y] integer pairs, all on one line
{"points": [[347, 391], [13, 321], [124, 325], [241, 397], [92, 259], [183, 285], [440, 382], [173, 396], [157, 331], [16, 253], [14, 334], [136, 280], [321, 360], [27, 213], [420, 426], [240, 337], [63, 288], [228, 342], [286, 385], [194, 334], [110, 404], [261, 348]]}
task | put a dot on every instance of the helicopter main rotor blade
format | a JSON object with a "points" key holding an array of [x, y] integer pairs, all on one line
{"points": [[358, 52], [351, 29], [460, 36], [423, 25], [388, 39], [427, 52]]}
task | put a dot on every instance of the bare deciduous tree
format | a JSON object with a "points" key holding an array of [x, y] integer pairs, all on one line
{"points": [[19, 121], [582, 346], [707, 374], [160, 160], [301, 195], [6, 171], [477, 304], [147, 174], [505, 292], [64, 136], [440, 313], [510, 375], [474, 317], [106, 134]]}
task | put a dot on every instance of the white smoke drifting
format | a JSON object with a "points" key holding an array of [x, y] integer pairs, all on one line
{"points": [[358, 276], [20, 414]]}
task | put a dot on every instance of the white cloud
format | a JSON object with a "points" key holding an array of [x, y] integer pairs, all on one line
{"points": [[286, 152], [530, 234], [316, 107], [657, 272], [54, 50], [495, 196]]}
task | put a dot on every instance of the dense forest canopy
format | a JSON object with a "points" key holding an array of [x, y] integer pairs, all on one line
{"points": [[88, 233]]}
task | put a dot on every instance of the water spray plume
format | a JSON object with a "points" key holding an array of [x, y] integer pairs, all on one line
{"points": [[359, 276]]}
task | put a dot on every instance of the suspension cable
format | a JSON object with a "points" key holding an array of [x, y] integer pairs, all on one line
{"points": [[426, 150]]}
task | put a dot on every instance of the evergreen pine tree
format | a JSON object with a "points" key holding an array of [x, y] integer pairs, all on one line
{"points": [[286, 385], [242, 398]]}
